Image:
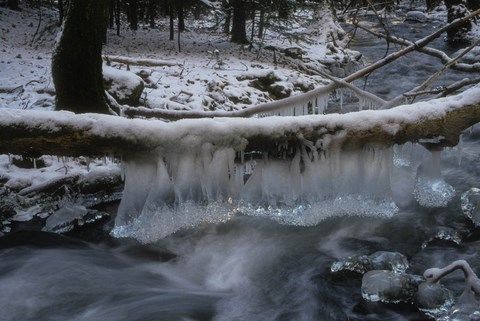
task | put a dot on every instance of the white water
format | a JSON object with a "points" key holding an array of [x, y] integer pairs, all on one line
{"points": [[171, 192]]}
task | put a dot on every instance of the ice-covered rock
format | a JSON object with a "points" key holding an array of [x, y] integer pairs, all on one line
{"points": [[381, 260], [434, 299], [359, 264], [389, 287], [445, 234], [69, 216], [470, 201], [417, 16], [394, 261]]}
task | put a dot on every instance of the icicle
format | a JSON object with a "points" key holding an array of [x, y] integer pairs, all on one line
{"points": [[430, 188], [459, 150]]}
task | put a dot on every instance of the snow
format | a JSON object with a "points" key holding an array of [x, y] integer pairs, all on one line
{"points": [[26, 64]]}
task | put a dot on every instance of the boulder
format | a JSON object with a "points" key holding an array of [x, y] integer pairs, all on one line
{"points": [[124, 86], [417, 16]]}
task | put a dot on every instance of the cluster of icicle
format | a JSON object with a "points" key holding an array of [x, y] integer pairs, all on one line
{"points": [[319, 104], [213, 184]]}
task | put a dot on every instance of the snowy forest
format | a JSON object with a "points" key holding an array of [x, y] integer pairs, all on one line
{"points": [[239, 160]]}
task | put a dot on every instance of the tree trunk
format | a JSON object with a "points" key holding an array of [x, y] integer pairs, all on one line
{"points": [[261, 23], [133, 14], [151, 13], [473, 5], [13, 4], [117, 16], [61, 12], [458, 36], [111, 13], [228, 17], [172, 21], [181, 15], [239, 28], [432, 4], [77, 59]]}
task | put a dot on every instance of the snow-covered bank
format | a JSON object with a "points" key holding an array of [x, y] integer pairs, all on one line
{"points": [[207, 74]]}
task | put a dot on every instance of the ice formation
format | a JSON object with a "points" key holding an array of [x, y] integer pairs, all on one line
{"points": [[470, 202], [430, 189], [381, 260], [299, 186], [389, 287]]}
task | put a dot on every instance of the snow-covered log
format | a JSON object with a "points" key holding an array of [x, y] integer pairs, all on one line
{"points": [[142, 61], [64, 133]]}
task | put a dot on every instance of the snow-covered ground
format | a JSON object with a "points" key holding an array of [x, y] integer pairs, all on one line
{"points": [[211, 72]]}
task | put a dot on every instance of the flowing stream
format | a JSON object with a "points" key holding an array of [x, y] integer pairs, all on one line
{"points": [[250, 268]]}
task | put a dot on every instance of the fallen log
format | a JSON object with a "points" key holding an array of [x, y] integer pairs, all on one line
{"points": [[36, 133], [146, 62]]}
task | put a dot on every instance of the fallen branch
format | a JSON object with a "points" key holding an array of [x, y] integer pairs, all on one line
{"points": [[142, 61], [422, 87], [35, 133], [434, 275]]}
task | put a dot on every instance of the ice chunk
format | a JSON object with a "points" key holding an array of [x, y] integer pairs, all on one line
{"points": [[470, 201], [434, 299], [381, 260], [433, 192], [389, 287], [69, 216]]}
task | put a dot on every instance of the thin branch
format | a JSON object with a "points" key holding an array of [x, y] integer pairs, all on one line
{"points": [[426, 50], [417, 90]]}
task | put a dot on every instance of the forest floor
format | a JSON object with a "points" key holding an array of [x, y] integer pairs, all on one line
{"points": [[209, 72]]}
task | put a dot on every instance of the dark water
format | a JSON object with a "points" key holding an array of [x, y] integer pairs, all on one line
{"points": [[410, 70], [248, 268]]}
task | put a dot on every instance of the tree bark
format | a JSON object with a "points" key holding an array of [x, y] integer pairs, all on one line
{"points": [[133, 14], [458, 36], [181, 15], [239, 28], [228, 16], [111, 13], [261, 23], [152, 11], [61, 12], [431, 4], [172, 20], [77, 59], [117, 16], [34, 133], [473, 5], [13, 4]]}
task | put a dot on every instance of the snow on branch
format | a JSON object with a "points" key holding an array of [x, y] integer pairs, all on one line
{"points": [[142, 61], [34, 133]]}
